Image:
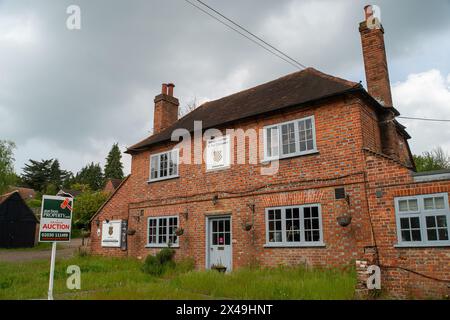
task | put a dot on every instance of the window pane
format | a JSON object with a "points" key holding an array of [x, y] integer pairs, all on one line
{"points": [[431, 222], [272, 142], [415, 223], [432, 234], [288, 138], [416, 236], [306, 137], [154, 168], [404, 223], [439, 202], [428, 203], [441, 221], [406, 236], [443, 234], [413, 206], [403, 205]]}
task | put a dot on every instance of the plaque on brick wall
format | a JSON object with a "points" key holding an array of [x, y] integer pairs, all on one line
{"points": [[218, 153], [111, 233]]}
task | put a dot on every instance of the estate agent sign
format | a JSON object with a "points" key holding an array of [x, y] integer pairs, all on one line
{"points": [[56, 219], [55, 225]]}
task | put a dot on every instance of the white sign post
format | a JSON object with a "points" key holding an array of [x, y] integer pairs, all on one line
{"points": [[55, 226]]}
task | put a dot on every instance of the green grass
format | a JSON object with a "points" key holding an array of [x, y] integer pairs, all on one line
{"points": [[110, 278]]}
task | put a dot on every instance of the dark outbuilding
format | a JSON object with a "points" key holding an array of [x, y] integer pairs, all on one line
{"points": [[17, 222]]}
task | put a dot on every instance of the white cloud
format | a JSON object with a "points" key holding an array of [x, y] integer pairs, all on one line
{"points": [[425, 95], [18, 30]]}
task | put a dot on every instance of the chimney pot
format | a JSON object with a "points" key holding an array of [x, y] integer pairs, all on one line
{"points": [[368, 11], [164, 88], [170, 87]]}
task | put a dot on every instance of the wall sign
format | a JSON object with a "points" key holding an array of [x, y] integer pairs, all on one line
{"points": [[56, 219], [218, 152], [111, 233]]}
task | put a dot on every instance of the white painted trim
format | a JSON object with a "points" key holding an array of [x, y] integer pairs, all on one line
{"points": [[302, 243], [422, 214], [280, 156], [174, 176], [161, 245]]}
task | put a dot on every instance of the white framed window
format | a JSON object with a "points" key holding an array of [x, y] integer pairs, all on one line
{"points": [[423, 220], [295, 226], [161, 231], [290, 139], [164, 165]]}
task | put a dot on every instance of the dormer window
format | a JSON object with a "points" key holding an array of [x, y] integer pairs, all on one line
{"points": [[164, 165], [290, 139]]}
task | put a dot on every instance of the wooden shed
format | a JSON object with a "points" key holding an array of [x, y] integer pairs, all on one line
{"points": [[17, 222]]}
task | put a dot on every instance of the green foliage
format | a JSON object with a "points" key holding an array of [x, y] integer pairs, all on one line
{"points": [[34, 203], [86, 205], [159, 264], [114, 166], [437, 159], [45, 176], [7, 176], [92, 176], [152, 266]]}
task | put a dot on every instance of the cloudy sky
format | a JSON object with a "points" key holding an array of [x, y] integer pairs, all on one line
{"points": [[71, 94]]}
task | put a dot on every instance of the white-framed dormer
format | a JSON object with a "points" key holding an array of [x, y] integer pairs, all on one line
{"points": [[164, 165]]}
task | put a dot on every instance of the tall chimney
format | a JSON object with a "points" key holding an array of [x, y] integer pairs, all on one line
{"points": [[166, 109], [375, 61]]}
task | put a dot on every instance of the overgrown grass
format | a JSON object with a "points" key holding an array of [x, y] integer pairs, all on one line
{"points": [[110, 278]]}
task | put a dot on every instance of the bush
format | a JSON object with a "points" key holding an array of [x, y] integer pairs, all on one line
{"points": [[152, 266], [165, 255], [159, 264]]}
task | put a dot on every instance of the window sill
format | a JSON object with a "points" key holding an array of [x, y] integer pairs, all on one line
{"points": [[295, 245], [218, 169], [151, 246], [421, 245], [309, 153], [162, 179]]}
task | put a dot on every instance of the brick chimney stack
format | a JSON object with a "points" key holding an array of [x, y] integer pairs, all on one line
{"points": [[166, 108], [375, 61]]}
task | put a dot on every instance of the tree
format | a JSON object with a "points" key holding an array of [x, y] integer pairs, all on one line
{"points": [[114, 166], [92, 176], [45, 176], [7, 175], [188, 108], [437, 159], [36, 174], [86, 205]]}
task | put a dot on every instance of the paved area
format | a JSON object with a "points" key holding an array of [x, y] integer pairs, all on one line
{"points": [[11, 255]]}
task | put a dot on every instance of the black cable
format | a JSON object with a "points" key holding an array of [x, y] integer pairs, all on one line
{"points": [[242, 34], [252, 34]]}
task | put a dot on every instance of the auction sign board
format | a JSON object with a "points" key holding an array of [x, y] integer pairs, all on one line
{"points": [[56, 219], [55, 225]]}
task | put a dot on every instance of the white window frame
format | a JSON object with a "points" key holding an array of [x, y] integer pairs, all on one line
{"points": [[297, 140], [158, 156], [162, 245], [302, 242], [422, 214]]}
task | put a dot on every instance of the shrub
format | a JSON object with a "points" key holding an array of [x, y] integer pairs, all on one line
{"points": [[152, 266], [159, 264], [165, 255]]}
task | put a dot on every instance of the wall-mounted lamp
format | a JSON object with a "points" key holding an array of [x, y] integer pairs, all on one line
{"points": [[215, 199], [107, 220], [97, 223]]}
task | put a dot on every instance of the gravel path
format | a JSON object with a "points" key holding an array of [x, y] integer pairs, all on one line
{"points": [[12, 255]]}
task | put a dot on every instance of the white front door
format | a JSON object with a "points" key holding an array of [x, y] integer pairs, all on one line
{"points": [[219, 242]]}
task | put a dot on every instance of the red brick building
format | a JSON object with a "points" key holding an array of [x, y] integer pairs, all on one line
{"points": [[339, 155]]}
